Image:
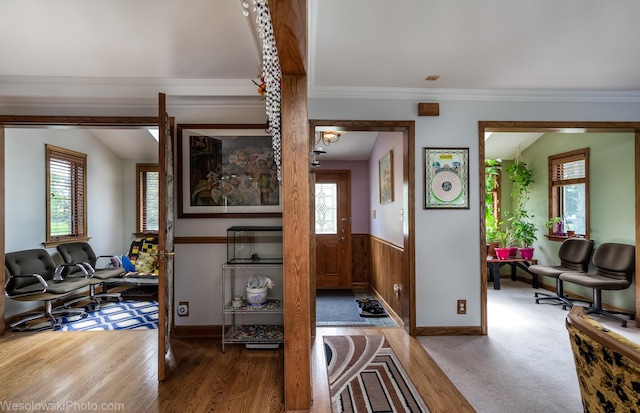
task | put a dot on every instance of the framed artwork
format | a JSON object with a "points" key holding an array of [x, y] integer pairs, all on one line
{"points": [[385, 177], [446, 178], [226, 171]]}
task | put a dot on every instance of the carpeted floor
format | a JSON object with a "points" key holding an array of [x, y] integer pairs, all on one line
{"points": [[524, 364], [365, 376]]}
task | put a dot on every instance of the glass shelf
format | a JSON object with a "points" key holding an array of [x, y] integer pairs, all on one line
{"points": [[255, 334], [271, 306]]}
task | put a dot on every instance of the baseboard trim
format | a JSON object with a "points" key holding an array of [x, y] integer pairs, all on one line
{"points": [[449, 331], [209, 331]]}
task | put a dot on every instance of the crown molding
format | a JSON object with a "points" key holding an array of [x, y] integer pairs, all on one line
{"points": [[66, 92], [493, 95], [78, 87]]}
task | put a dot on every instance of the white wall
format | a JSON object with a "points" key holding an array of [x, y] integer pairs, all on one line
{"points": [[25, 219], [447, 241], [387, 224]]}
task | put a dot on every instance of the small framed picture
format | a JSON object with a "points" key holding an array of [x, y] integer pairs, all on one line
{"points": [[446, 178], [385, 172]]}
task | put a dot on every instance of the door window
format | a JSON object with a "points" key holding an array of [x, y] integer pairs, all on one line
{"points": [[326, 208]]}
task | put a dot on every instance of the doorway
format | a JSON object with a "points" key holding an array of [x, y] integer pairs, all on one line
{"points": [[485, 127], [385, 265]]}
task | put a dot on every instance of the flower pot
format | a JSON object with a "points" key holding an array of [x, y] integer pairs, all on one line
{"points": [[513, 251], [256, 297], [502, 253], [491, 248], [526, 253], [571, 234]]}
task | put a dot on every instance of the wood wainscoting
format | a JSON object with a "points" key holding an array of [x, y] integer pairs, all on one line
{"points": [[386, 270], [360, 258]]}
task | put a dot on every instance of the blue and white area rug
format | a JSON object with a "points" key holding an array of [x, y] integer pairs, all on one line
{"points": [[126, 315]]}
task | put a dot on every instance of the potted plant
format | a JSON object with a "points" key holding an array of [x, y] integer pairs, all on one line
{"points": [[506, 240], [555, 225], [521, 179], [491, 210]]}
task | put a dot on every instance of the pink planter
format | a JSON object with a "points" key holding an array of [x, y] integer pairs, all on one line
{"points": [[503, 253], [526, 253], [513, 251]]}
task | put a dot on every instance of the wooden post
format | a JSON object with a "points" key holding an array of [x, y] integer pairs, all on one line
{"points": [[297, 239]]}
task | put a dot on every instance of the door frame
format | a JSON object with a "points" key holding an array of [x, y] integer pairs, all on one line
{"points": [[52, 121], [546, 127], [408, 182]]}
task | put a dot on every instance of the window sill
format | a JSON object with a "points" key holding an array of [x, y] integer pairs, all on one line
{"points": [[560, 238], [55, 243]]}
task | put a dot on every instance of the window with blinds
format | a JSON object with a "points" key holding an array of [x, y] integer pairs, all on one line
{"points": [[148, 200], [569, 190], [66, 195]]}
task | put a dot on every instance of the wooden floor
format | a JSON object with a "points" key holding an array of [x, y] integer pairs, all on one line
{"points": [[116, 371]]}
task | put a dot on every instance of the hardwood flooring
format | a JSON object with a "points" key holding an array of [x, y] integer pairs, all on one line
{"points": [[116, 371]]}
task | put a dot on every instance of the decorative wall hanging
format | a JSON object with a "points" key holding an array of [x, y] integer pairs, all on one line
{"points": [[446, 177], [226, 170], [385, 177], [271, 74]]}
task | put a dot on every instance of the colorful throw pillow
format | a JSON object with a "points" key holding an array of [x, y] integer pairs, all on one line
{"points": [[146, 263], [127, 265], [136, 247]]}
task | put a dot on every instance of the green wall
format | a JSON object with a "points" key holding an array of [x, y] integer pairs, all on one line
{"points": [[612, 190]]}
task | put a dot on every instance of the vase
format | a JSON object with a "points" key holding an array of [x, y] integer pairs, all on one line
{"points": [[526, 253], [256, 297], [491, 248], [503, 253]]}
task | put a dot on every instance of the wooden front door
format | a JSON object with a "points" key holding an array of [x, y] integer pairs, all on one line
{"points": [[333, 229]]}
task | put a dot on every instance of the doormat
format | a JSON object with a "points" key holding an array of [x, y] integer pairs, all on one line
{"points": [[366, 376]]}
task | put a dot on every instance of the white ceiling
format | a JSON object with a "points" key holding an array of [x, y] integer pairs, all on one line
{"points": [[125, 52]]}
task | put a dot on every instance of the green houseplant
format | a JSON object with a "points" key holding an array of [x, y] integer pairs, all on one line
{"points": [[555, 225], [524, 230], [491, 208], [506, 239]]}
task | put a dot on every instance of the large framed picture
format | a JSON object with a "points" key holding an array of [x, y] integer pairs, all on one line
{"points": [[446, 178], [226, 171], [385, 177]]}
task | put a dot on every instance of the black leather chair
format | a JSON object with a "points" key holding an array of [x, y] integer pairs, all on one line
{"points": [[80, 254], [575, 255], [615, 265], [32, 275]]}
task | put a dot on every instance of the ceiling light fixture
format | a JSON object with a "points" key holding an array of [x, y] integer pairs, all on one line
{"points": [[432, 78], [329, 137]]}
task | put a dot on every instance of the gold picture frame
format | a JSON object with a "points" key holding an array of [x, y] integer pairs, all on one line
{"points": [[385, 177]]}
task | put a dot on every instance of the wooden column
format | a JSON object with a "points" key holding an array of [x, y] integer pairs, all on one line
{"points": [[2, 245], [289, 19], [297, 240]]}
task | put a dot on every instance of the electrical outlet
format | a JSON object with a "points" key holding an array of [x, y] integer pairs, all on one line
{"points": [[462, 306], [183, 308]]}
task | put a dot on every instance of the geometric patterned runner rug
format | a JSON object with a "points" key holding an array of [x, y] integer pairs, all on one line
{"points": [[126, 315], [366, 376]]}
